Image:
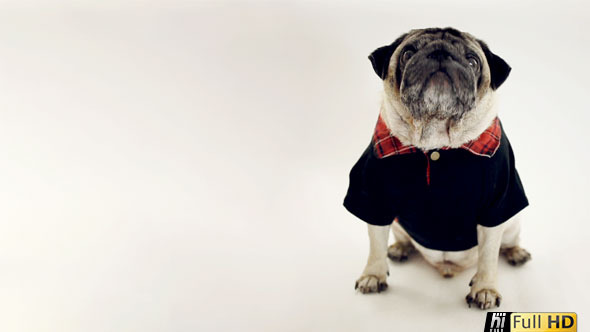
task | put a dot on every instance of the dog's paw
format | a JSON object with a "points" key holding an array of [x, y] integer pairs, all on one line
{"points": [[371, 284], [484, 298], [447, 269], [516, 255], [399, 252]]}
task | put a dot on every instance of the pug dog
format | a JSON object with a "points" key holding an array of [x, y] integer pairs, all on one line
{"points": [[439, 171]]}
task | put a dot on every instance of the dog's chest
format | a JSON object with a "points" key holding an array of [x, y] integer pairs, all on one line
{"points": [[442, 177], [437, 194]]}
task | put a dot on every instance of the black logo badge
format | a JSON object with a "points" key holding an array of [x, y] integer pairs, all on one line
{"points": [[497, 322]]}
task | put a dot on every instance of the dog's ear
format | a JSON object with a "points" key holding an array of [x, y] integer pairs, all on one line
{"points": [[499, 69], [381, 56]]}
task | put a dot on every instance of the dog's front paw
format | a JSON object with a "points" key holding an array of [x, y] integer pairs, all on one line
{"points": [[516, 255], [484, 298], [371, 283]]}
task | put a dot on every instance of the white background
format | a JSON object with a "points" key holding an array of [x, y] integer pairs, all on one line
{"points": [[181, 166]]}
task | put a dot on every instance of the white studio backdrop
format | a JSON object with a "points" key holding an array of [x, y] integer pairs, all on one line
{"points": [[180, 166]]}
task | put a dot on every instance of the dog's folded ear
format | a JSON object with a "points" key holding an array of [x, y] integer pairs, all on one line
{"points": [[499, 69], [381, 56]]}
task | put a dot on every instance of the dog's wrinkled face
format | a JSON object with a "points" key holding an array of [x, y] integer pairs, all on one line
{"points": [[438, 73]]}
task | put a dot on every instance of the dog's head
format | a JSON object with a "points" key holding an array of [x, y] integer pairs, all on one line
{"points": [[438, 73]]}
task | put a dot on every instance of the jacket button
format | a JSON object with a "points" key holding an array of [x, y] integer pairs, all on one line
{"points": [[435, 156]]}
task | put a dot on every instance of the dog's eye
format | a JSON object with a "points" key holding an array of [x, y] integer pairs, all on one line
{"points": [[407, 55], [473, 63]]}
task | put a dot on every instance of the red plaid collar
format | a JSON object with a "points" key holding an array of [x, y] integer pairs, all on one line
{"points": [[385, 144]]}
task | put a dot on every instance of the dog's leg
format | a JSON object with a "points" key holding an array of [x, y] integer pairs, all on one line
{"points": [[483, 285], [375, 274], [402, 247], [510, 243]]}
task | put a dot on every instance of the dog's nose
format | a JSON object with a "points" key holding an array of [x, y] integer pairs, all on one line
{"points": [[439, 55]]}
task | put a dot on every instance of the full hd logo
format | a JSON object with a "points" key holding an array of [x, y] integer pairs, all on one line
{"points": [[531, 322], [497, 322]]}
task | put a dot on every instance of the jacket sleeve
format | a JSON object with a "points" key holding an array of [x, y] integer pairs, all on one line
{"points": [[506, 196], [364, 198]]}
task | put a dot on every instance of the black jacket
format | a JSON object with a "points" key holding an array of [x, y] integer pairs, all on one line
{"points": [[438, 202]]}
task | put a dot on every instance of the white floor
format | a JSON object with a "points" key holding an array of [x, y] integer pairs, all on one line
{"points": [[180, 166]]}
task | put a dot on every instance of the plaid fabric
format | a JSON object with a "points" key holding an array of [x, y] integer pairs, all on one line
{"points": [[385, 144]]}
